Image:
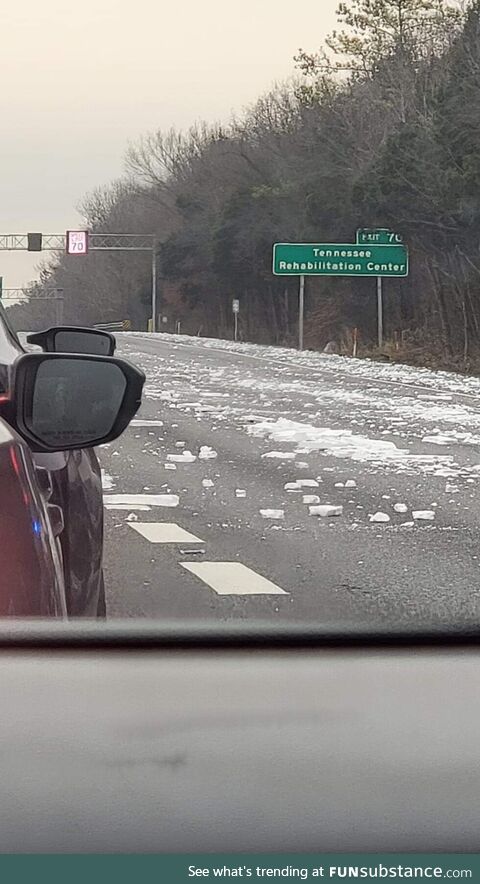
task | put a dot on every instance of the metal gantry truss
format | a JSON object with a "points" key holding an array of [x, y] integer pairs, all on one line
{"points": [[33, 294], [29, 294], [97, 242]]}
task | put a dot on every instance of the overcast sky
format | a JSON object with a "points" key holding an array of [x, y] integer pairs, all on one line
{"points": [[82, 78]]}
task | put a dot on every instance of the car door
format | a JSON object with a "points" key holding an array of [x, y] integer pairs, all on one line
{"points": [[78, 491], [31, 576]]}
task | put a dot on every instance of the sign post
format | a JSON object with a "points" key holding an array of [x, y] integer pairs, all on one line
{"points": [[154, 285], [301, 311], [236, 311], [380, 311], [379, 236]]}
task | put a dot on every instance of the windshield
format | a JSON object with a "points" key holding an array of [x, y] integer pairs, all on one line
{"points": [[287, 246]]}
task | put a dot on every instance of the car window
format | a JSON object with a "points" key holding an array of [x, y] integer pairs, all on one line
{"points": [[278, 223]]}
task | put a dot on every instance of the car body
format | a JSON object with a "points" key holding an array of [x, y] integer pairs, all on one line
{"points": [[61, 487]]}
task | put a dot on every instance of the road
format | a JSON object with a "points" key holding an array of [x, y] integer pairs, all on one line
{"points": [[221, 432]]}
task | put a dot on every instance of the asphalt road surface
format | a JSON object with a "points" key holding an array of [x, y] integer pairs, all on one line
{"points": [[223, 430]]}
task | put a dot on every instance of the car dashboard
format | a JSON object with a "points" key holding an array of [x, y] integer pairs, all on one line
{"points": [[139, 740]]}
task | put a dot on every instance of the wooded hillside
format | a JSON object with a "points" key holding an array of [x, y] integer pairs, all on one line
{"points": [[379, 128]]}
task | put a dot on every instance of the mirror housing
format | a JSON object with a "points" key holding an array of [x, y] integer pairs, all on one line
{"points": [[64, 401], [74, 339]]}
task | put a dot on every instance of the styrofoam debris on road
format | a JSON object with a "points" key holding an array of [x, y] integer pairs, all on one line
{"points": [[401, 508], [207, 453], [326, 510]]}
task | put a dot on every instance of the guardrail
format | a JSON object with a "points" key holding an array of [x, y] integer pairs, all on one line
{"points": [[125, 325]]}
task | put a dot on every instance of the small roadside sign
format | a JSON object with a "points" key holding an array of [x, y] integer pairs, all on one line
{"points": [[378, 236], [76, 242], [236, 311]]}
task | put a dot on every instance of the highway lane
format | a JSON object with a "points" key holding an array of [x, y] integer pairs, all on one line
{"points": [[340, 438]]}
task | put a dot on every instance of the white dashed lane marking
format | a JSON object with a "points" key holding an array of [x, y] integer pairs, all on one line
{"points": [[225, 578], [233, 578], [164, 532]]}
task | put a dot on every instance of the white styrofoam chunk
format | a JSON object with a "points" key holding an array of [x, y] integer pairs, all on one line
{"points": [[207, 453], [185, 457], [326, 510]]}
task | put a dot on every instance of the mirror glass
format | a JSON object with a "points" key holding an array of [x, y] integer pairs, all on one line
{"points": [[82, 342], [75, 401]]}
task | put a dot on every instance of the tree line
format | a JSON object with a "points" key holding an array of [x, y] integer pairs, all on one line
{"points": [[378, 128]]}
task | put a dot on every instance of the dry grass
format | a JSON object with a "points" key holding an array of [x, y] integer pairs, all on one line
{"points": [[423, 356]]}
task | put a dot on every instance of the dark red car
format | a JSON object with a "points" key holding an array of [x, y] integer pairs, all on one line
{"points": [[54, 407]]}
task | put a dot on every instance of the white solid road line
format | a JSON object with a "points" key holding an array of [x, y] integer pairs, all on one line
{"points": [[142, 499], [141, 507], [164, 532], [232, 578]]}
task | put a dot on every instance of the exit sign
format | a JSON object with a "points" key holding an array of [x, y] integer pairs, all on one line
{"points": [[378, 236]]}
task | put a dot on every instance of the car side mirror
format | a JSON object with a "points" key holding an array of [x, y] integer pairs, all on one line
{"points": [[73, 339], [64, 401]]}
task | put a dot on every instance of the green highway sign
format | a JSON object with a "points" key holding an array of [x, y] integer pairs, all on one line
{"points": [[379, 236], [339, 259]]}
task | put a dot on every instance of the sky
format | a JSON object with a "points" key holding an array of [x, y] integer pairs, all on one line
{"points": [[81, 79]]}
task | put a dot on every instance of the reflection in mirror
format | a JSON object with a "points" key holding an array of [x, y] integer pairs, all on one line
{"points": [[75, 400], [82, 342]]}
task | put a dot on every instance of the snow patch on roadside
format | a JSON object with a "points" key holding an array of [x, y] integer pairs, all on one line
{"points": [[437, 383], [346, 444]]}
